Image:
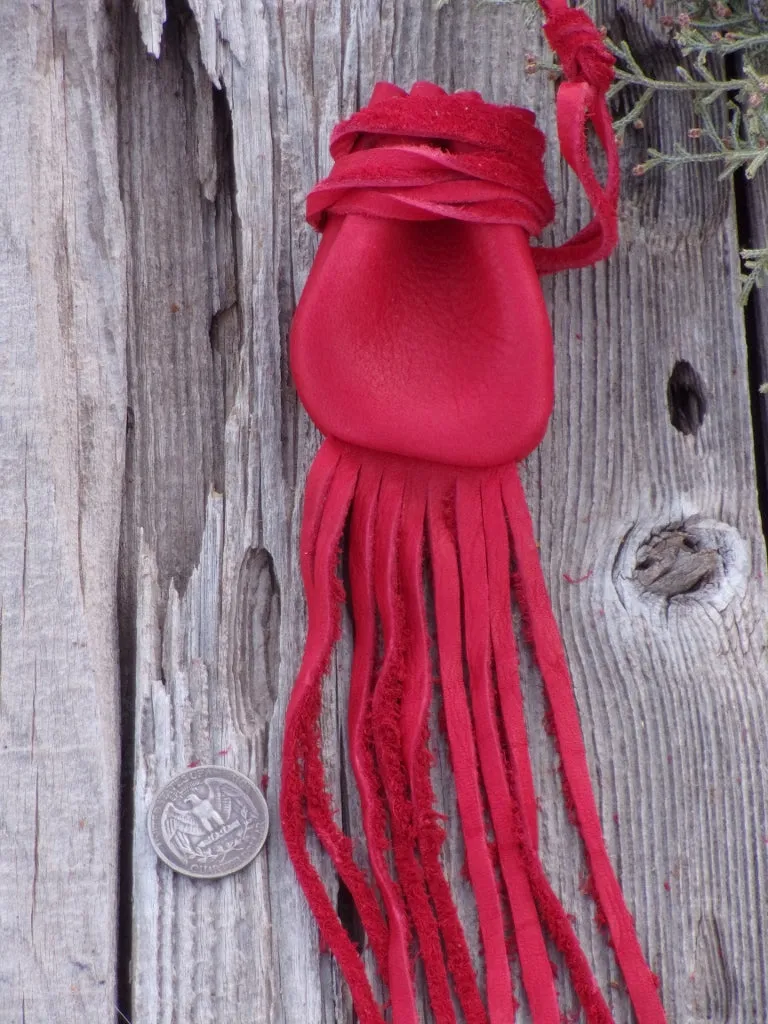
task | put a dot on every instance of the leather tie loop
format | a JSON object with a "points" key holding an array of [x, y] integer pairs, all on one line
{"points": [[579, 104]]}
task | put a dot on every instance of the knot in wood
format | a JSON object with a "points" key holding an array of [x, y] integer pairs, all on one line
{"points": [[676, 561]]}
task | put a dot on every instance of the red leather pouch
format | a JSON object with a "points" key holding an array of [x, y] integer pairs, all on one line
{"points": [[421, 348]]}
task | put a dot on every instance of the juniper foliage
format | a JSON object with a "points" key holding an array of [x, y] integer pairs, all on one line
{"points": [[726, 75], [723, 52]]}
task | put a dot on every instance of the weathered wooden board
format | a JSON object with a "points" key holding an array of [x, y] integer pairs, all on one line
{"points": [[154, 251], [668, 666], [62, 427]]}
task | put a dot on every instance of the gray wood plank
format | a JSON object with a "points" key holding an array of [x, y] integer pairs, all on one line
{"points": [[205, 651], [666, 634], [62, 428], [669, 683]]}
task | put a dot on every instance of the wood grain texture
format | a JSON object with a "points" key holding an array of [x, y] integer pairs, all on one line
{"points": [[667, 671], [62, 427], [153, 257], [668, 685]]}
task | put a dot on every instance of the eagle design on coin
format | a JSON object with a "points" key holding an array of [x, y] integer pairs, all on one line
{"points": [[208, 822]]}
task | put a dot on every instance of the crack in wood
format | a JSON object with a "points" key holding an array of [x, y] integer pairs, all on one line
{"points": [[750, 202], [35, 855], [185, 334]]}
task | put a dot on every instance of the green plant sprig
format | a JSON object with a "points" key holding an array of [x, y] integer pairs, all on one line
{"points": [[742, 148], [710, 32], [755, 263], [707, 31], [702, 84]]}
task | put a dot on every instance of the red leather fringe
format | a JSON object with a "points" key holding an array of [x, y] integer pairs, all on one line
{"points": [[409, 522]]}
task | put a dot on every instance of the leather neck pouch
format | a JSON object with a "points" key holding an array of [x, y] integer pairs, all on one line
{"points": [[422, 349]]}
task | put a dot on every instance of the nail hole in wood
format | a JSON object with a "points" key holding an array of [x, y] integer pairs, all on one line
{"points": [[686, 398]]}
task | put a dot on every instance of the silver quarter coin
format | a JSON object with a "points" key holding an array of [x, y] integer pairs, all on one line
{"points": [[208, 822]]}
